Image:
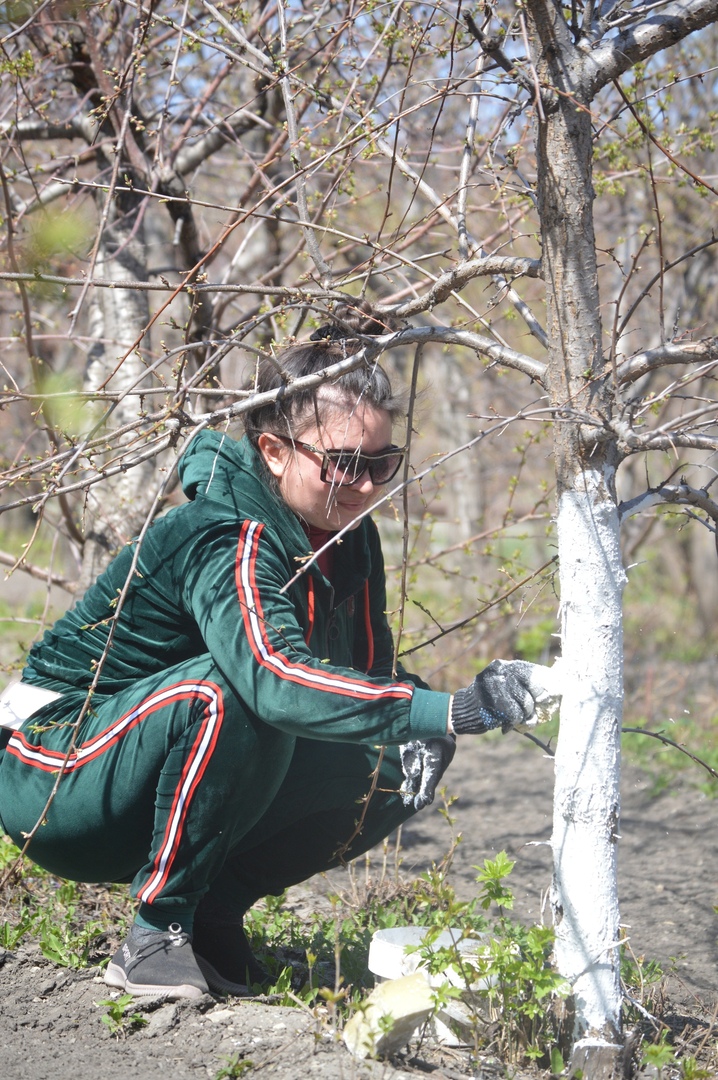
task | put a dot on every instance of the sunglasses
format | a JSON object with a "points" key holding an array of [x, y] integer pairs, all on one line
{"points": [[345, 467]]}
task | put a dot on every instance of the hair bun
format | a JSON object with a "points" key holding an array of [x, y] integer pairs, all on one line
{"points": [[353, 319]]}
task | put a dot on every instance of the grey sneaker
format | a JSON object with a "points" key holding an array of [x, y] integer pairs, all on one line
{"points": [[156, 963]]}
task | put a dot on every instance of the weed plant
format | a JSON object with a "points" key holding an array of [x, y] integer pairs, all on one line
{"points": [[121, 1017], [670, 1045]]}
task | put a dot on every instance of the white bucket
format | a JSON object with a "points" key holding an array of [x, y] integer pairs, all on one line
{"points": [[389, 959]]}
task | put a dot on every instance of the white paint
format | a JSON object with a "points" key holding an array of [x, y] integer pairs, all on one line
{"points": [[546, 687], [586, 802]]}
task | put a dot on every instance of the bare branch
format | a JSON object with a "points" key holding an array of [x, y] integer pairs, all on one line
{"points": [[454, 280], [491, 46], [661, 29], [534, 369], [673, 352], [631, 441], [239, 37], [301, 295], [28, 22], [466, 157], [441, 208], [194, 154], [682, 494], [37, 571], [75, 127]]}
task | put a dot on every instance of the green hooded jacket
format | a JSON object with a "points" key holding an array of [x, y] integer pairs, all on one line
{"points": [[314, 660]]}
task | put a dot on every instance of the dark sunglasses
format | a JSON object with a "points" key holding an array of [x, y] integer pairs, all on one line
{"points": [[345, 467]]}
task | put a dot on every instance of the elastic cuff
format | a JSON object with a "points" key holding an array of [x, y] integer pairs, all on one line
{"points": [[427, 718], [152, 918], [470, 718]]}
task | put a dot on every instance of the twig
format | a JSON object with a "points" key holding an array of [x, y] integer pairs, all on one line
{"points": [[669, 742], [618, 302], [534, 739], [487, 607], [668, 266], [405, 502], [318, 259], [664, 149], [343, 848], [395, 491]]}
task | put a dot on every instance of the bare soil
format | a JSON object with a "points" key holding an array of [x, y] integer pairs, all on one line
{"points": [[51, 1023]]}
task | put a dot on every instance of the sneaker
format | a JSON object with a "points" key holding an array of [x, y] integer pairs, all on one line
{"points": [[226, 960], [156, 963]]}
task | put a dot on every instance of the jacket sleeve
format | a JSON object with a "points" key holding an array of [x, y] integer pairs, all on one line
{"points": [[232, 586]]}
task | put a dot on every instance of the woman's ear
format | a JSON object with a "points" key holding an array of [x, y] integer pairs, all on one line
{"points": [[274, 453]]}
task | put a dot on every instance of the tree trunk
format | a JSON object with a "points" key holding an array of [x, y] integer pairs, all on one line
{"points": [[586, 803], [116, 510]]}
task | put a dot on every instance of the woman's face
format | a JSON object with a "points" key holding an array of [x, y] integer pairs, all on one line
{"points": [[298, 471]]}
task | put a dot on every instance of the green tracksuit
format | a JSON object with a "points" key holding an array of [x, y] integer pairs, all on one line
{"points": [[234, 725]]}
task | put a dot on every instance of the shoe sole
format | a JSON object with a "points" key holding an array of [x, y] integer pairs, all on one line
{"points": [[116, 977], [217, 983]]}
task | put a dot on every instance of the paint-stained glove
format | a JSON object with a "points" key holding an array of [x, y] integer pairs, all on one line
{"points": [[424, 764], [506, 694]]}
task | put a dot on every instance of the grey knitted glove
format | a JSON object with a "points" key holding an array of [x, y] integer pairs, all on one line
{"points": [[504, 694], [424, 764]]}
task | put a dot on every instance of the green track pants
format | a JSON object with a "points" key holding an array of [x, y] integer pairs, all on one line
{"points": [[174, 786]]}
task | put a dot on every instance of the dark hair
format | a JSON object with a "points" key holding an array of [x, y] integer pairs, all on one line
{"points": [[293, 413]]}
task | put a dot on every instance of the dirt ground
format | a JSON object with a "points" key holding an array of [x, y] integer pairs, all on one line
{"points": [[51, 1023]]}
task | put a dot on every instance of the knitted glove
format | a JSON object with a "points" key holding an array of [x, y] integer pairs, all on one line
{"points": [[424, 764], [505, 695]]}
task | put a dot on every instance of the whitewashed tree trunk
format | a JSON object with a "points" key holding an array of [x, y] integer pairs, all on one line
{"points": [[584, 890], [586, 799]]}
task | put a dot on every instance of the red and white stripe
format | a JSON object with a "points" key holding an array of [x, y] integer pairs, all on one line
{"points": [[277, 662], [194, 768]]}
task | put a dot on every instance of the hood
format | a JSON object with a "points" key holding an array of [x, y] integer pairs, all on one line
{"points": [[231, 473], [210, 464]]}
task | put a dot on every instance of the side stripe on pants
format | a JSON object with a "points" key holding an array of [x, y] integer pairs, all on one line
{"points": [[192, 773]]}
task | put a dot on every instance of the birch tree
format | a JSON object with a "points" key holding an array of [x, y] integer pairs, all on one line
{"points": [[187, 186]]}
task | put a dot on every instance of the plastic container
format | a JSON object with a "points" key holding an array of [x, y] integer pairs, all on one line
{"points": [[389, 959]]}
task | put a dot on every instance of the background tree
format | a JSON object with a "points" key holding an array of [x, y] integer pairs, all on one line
{"points": [[188, 185]]}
